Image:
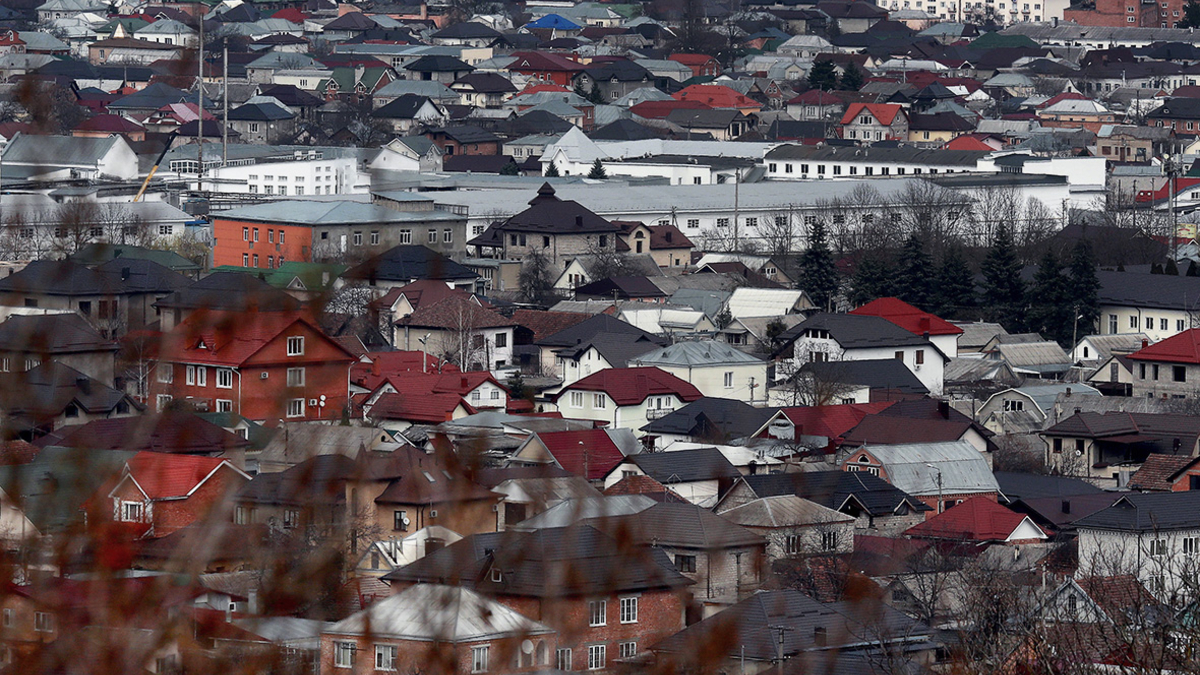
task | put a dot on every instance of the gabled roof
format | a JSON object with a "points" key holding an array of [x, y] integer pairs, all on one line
{"points": [[632, 386], [593, 449], [716, 96], [591, 327], [409, 263], [830, 421], [57, 277], [885, 113], [417, 407], [962, 468], [1181, 348], [161, 476], [889, 429], [836, 490], [546, 323], [852, 331], [783, 511], [453, 313], [710, 417], [174, 432], [685, 466], [1159, 472], [542, 61], [906, 316], [886, 374], [230, 291], [1148, 512], [231, 338], [978, 519], [433, 613], [51, 334], [40, 394], [678, 524], [548, 214]]}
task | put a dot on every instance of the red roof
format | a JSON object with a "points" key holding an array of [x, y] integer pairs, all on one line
{"points": [[537, 88], [884, 112], [418, 407], [1181, 348], [817, 97], [163, 476], [717, 96], [906, 316], [386, 364], [451, 312], [657, 110], [831, 421], [229, 338], [572, 448], [290, 14], [631, 386], [421, 292], [977, 519], [1065, 96], [967, 142], [109, 123], [691, 59], [541, 61]]}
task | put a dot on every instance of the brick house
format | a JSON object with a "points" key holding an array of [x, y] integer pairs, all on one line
{"points": [[160, 493], [939, 474], [1120, 13], [701, 65], [26, 341], [545, 67], [459, 330], [1181, 115], [1168, 368], [870, 122], [615, 605], [465, 140], [794, 526], [457, 628], [262, 365], [28, 625], [1167, 473]]}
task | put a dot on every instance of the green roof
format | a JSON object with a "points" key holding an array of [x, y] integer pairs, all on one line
{"points": [[310, 276], [257, 434], [98, 254], [995, 40]]}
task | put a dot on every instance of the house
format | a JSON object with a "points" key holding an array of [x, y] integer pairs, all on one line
{"points": [[158, 493], [411, 110], [263, 122], [483, 90], [943, 334], [701, 65], [1111, 446], [459, 330], [399, 411], [589, 346], [1168, 368], [979, 522], [1119, 600], [625, 397], [1076, 114], [26, 341], [1129, 143], [1166, 473], [1094, 350], [725, 124], [225, 292], [408, 153], [1029, 408], [872, 122], [51, 395], [169, 432], [939, 474], [283, 363], [875, 504], [795, 527], [404, 264], [848, 337], [750, 303], [819, 427], [556, 229], [833, 382], [1155, 305], [899, 424], [545, 67], [464, 140], [699, 475], [391, 554], [429, 623], [589, 453], [707, 419], [715, 368], [617, 604]]}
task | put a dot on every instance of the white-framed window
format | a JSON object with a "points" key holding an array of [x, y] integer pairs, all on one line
{"points": [[385, 657], [161, 402], [598, 401], [722, 222], [431, 236], [166, 373], [224, 405], [295, 377], [1191, 545], [1158, 548], [224, 378], [628, 649], [829, 540], [405, 235], [43, 622], [131, 512], [358, 238], [166, 230], [597, 612], [479, 659], [9, 617], [375, 238], [201, 376], [562, 659], [597, 657], [577, 399], [447, 236], [343, 654], [629, 610], [295, 408], [729, 380], [295, 345]]}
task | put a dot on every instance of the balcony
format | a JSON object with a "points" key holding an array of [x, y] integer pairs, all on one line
{"points": [[656, 413]]}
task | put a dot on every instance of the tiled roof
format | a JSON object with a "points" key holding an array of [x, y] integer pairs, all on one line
{"points": [[977, 519], [711, 417], [1159, 472], [679, 524], [229, 338], [409, 263], [716, 96], [833, 488], [163, 476], [174, 432], [1181, 348], [631, 386], [831, 421], [456, 312], [884, 112], [433, 613], [417, 407], [548, 214], [51, 334], [1148, 512], [590, 448], [887, 430], [545, 323], [639, 484], [854, 332], [684, 466], [908, 317]]}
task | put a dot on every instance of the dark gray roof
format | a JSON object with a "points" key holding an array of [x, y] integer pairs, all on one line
{"points": [[590, 328], [873, 373], [547, 214], [1151, 291], [679, 524], [856, 332], [620, 71], [467, 30], [1016, 486], [56, 277], [435, 63], [409, 263], [53, 488], [486, 83], [403, 108], [712, 418], [99, 253], [36, 396], [1148, 512], [685, 466], [716, 118], [907, 155], [616, 348], [259, 112], [139, 275], [51, 334], [232, 291], [833, 489]]}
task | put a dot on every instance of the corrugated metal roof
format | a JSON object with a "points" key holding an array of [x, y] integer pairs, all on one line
{"points": [[755, 302], [963, 469], [783, 511], [694, 354], [437, 612]]}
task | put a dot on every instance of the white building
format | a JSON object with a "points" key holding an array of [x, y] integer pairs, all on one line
{"points": [[713, 367]]}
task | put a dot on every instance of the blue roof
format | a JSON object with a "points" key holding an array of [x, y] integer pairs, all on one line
{"points": [[553, 21]]}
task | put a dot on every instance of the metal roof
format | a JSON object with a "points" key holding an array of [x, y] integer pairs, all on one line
{"points": [[963, 469], [428, 612], [697, 353]]}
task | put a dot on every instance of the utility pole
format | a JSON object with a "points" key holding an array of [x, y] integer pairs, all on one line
{"points": [[200, 110], [782, 630], [224, 102], [737, 178]]}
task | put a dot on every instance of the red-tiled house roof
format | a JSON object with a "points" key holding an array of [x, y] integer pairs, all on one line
{"points": [[658, 110], [641, 484], [542, 62], [163, 476], [231, 338], [418, 407], [544, 324], [593, 448], [387, 364], [830, 421], [884, 112], [717, 96], [978, 519], [453, 313], [631, 386], [908, 317], [1161, 472], [967, 142], [1181, 348]]}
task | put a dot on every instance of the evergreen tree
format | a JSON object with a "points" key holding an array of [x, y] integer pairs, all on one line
{"points": [[1083, 287], [823, 76], [510, 169], [552, 171], [1191, 15], [1003, 289], [1193, 269], [872, 279], [852, 78], [954, 293], [1172, 268], [817, 272], [1155, 268], [1050, 308], [914, 273], [597, 171]]}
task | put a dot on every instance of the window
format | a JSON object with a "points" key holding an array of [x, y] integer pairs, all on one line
{"points": [[685, 563], [295, 377], [255, 260], [245, 260], [1178, 325], [899, 356], [131, 512], [161, 402], [447, 236], [562, 659], [1162, 324], [224, 405], [1158, 548], [829, 540], [1112, 323], [597, 612], [8, 617], [1155, 369], [256, 235], [190, 375], [291, 518], [224, 378], [596, 657], [1149, 323], [405, 236], [1191, 545], [729, 380], [920, 357], [752, 222], [1141, 371], [375, 238], [1133, 322], [628, 649], [358, 238], [43, 622], [598, 401], [295, 345], [295, 408], [722, 222], [245, 234], [629, 610], [501, 340], [343, 654], [166, 373], [792, 545], [385, 657], [577, 399], [1058, 446], [431, 236], [1011, 405], [479, 659]]}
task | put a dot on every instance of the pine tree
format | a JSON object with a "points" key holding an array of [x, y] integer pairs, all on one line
{"points": [[1003, 289], [597, 171], [954, 293], [1084, 286], [823, 76], [914, 273], [1050, 307], [872, 279], [817, 272], [1191, 15], [852, 78], [552, 171]]}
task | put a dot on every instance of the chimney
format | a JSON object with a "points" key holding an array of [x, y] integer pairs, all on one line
{"points": [[944, 409], [124, 273], [252, 602], [924, 324], [578, 221], [925, 335], [1066, 506], [1068, 392], [464, 382], [819, 636], [83, 384], [1145, 343]]}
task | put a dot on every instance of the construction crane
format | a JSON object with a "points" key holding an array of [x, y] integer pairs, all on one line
{"points": [[154, 169]]}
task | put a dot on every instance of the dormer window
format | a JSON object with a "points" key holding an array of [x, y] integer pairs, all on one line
{"points": [[295, 345]]}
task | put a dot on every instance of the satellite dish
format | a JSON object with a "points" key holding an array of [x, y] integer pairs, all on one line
{"points": [[527, 647], [406, 521], [322, 399]]}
